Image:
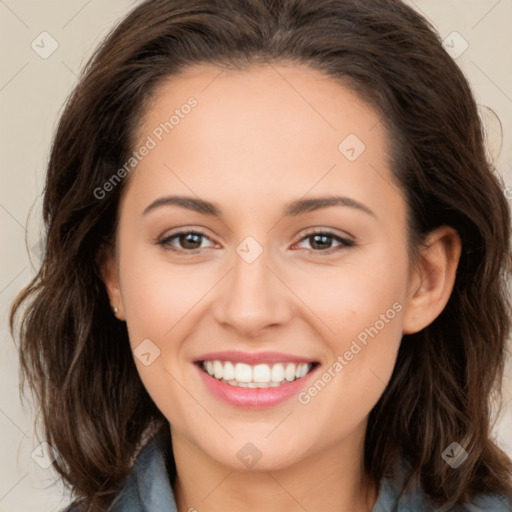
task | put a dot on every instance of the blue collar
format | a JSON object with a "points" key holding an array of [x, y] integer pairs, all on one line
{"points": [[147, 489]]}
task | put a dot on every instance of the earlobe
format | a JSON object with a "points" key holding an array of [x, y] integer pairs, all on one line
{"points": [[107, 265], [432, 279]]}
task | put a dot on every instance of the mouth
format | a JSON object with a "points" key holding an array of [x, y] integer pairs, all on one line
{"points": [[260, 375], [255, 380]]}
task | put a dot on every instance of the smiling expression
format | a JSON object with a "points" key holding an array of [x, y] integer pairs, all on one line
{"points": [[263, 232]]}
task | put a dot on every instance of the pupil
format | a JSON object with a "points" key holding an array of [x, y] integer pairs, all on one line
{"points": [[189, 237], [324, 239]]}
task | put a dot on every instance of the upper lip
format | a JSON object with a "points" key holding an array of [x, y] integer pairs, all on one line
{"points": [[253, 357]]}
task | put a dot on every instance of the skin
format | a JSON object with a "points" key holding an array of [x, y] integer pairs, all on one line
{"points": [[258, 139]]}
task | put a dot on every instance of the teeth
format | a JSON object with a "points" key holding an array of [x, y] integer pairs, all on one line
{"points": [[228, 371], [218, 370], [258, 376], [291, 372], [243, 372], [277, 373], [261, 373]]}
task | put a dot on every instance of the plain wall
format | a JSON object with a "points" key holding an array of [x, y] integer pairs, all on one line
{"points": [[32, 92]]}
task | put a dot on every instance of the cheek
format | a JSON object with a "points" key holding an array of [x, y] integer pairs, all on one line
{"points": [[160, 300], [158, 294], [363, 290], [157, 297], [363, 309], [362, 357]]}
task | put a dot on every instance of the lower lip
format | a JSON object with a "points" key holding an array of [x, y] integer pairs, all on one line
{"points": [[253, 398]]}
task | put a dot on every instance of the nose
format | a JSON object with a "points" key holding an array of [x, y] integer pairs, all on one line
{"points": [[253, 298]]}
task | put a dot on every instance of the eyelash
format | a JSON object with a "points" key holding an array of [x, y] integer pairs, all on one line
{"points": [[344, 242]]}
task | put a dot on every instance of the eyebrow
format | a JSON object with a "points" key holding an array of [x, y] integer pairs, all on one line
{"points": [[292, 209]]}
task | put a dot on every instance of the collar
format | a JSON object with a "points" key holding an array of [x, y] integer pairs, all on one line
{"points": [[147, 489]]}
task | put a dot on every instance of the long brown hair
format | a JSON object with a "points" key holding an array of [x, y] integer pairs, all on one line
{"points": [[76, 356]]}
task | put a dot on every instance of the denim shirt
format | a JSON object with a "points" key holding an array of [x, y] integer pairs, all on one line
{"points": [[147, 489]]}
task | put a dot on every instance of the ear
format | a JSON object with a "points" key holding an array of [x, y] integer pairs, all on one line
{"points": [[432, 279], [109, 271]]}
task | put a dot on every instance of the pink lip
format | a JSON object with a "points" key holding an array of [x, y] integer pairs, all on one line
{"points": [[253, 358], [253, 398]]}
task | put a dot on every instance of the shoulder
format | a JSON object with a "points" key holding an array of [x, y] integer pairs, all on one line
{"points": [[494, 502], [147, 487], [391, 500]]}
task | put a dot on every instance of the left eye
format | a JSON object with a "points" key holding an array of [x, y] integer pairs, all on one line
{"points": [[321, 241]]}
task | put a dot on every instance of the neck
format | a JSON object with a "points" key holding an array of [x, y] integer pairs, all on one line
{"points": [[332, 481]]}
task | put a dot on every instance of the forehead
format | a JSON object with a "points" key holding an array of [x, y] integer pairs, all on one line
{"points": [[258, 131], [272, 95]]}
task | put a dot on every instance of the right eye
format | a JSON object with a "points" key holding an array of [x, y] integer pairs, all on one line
{"points": [[190, 241]]}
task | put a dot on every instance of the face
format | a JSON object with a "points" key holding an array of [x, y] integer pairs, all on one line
{"points": [[265, 279]]}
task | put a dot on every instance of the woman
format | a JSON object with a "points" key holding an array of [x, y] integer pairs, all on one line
{"points": [[275, 269]]}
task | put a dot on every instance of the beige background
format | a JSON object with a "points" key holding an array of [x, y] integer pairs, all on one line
{"points": [[32, 92]]}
